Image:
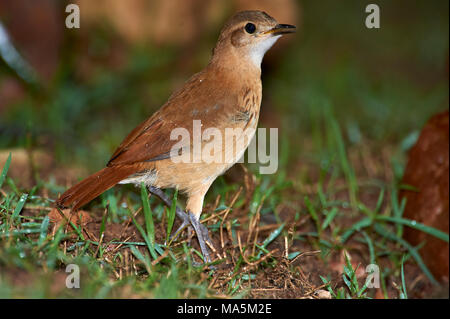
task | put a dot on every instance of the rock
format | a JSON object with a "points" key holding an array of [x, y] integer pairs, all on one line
{"points": [[323, 294], [427, 170], [78, 218]]}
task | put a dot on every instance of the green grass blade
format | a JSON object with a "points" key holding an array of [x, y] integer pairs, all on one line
{"points": [[313, 214], [273, 235], [398, 209], [171, 215], [405, 294], [19, 206], [371, 247], [338, 142], [412, 250], [141, 257], [330, 216], [150, 227], [379, 201], [419, 226], [43, 230], [366, 222], [5, 170], [269, 239]]}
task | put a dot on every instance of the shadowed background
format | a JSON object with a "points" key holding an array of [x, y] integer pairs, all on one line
{"points": [[99, 81]]}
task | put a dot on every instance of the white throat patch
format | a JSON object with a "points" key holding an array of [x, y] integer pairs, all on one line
{"points": [[257, 52]]}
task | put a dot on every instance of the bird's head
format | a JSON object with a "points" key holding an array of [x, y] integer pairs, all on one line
{"points": [[248, 35]]}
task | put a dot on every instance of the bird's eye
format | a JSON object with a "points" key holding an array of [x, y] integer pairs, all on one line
{"points": [[250, 28]]}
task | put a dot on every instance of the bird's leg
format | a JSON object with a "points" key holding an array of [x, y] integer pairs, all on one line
{"points": [[189, 220], [202, 236], [181, 214], [194, 206]]}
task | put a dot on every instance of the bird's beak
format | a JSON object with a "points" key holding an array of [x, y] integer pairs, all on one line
{"points": [[280, 29]]}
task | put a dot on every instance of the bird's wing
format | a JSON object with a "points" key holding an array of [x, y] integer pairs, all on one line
{"points": [[146, 141], [151, 140]]}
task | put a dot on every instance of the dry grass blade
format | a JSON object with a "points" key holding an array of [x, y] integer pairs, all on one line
{"points": [[226, 212]]}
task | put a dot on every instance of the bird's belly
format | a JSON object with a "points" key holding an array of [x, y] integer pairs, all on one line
{"points": [[207, 166], [203, 166]]}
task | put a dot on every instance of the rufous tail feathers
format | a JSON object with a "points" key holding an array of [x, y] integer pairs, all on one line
{"points": [[92, 186]]}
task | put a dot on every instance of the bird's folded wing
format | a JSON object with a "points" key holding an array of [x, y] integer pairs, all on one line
{"points": [[151, 140], [145, 142]]}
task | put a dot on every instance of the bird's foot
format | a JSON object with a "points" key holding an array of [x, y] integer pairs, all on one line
{"points": [[202, 235], [188, 220], [186, 223]]}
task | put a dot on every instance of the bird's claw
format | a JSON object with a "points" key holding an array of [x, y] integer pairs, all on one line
{"points": [[191, 221], [186, 223]]}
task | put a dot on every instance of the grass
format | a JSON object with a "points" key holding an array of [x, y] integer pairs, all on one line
{"points": [[352, 289], [140, 260], [347, 113]]}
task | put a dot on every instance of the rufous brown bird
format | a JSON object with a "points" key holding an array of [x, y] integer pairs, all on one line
{"points": [[222, 99]]}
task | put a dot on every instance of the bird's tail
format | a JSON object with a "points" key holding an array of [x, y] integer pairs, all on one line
{"points": [[92, 186]]}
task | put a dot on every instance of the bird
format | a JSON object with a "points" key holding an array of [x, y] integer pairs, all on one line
{"points": [[224, 97]]}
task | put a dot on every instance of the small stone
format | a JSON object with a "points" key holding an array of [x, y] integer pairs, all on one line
{"points": [[323, 294]]}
